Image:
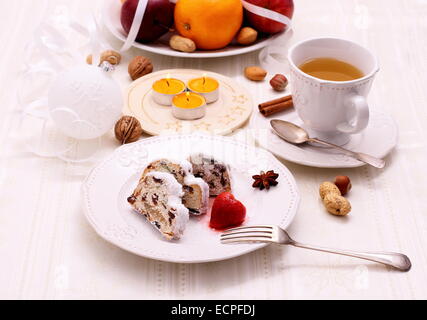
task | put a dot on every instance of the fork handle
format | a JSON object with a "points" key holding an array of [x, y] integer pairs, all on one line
{"points": [[396, 260]]}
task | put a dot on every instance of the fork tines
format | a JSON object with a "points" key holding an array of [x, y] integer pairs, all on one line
{"points": [[248, 234]]}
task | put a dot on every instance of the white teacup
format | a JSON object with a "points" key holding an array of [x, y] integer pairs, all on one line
{"points": [[332, 110]]}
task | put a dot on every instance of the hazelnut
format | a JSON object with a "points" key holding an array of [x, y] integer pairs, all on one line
{"points": [[182, 44], [343, 183], [128, 129], [279, 82], [139, 66], [255, 73], [336, 204], [247, 36], [328, 188]]}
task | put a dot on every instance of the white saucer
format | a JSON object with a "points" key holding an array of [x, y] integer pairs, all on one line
{"points": [[378, 139]]}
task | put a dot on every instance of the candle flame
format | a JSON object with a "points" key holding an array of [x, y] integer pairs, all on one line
{"points": [[204, 78], [188, 96]]}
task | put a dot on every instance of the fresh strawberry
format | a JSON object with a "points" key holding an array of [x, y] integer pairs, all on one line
{"points": [[227, 212]]}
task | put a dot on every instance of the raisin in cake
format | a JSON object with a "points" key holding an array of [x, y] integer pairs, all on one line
{"points": [[213, 172], [196, 191], [158, 197]]}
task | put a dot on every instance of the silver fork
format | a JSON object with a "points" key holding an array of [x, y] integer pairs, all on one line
{"points": [[275, 234]]}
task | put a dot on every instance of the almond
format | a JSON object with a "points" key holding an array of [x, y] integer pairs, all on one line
{"points": [[255, 73], [247, 36]]}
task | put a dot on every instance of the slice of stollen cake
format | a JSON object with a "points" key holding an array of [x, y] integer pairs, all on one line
{"points": [[158, 197], [196, 191], [215, 173]]}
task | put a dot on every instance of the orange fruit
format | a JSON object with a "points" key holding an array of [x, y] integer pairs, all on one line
{"points": [[211, 24]]}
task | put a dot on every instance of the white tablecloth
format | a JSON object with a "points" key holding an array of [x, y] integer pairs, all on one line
{"points": [[48, 250]]}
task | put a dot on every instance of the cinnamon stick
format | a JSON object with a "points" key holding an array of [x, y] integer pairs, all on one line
{"points": [[275, 108], [271, 107], [275, 101]]}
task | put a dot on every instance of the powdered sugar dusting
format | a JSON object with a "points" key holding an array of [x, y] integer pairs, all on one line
{"points": [[175, 194]]}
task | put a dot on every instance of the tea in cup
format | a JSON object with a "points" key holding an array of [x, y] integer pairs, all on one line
{"points": [[330, 69], [331, 79]]}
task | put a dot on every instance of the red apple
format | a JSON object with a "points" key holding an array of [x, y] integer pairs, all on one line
{"points": [[261, 24], [158, 18]]}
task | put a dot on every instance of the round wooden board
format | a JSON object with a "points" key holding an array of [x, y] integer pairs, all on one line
{"points": [[230, 112]]}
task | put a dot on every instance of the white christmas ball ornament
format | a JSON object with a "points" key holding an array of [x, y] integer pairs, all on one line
{"points": [[85, 102]]}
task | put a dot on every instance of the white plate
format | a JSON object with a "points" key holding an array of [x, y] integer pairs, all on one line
{"points": [[378, 139], [107, 187], [111, 18], [232, 110]]}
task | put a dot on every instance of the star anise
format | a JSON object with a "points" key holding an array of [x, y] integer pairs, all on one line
{"points": [[265, 180]]}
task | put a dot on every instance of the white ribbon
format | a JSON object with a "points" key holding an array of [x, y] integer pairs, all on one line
{"points": [[136, 24], [273, 58], [266, 13], [142, 6]]}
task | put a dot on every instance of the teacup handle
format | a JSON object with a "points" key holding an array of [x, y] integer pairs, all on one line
{"points": [[361, 118]]}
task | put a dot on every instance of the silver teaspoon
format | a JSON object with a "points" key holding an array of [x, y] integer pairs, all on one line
{"points": [[294, 134]]}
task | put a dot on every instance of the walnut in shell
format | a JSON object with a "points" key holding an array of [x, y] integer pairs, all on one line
{"points": [[139, 67], [111, 56], [128, 129]]}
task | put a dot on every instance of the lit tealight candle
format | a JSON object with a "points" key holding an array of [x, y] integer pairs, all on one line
{"points": [[205, 86], [189, 106], [165, 89]]}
